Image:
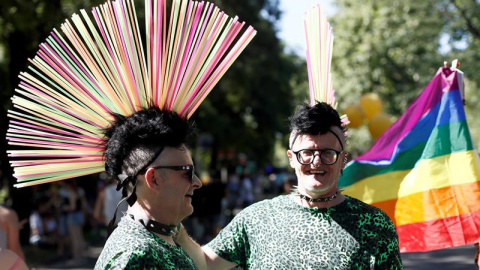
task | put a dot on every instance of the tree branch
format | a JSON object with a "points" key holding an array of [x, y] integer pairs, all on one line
{"points": [[471, 28]]}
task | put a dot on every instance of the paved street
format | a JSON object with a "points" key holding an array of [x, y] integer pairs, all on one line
{"points": [[459, 258]]}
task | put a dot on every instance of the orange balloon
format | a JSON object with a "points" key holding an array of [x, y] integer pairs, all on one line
{"points": [[371, 104], [378, 124], [355, 115]]}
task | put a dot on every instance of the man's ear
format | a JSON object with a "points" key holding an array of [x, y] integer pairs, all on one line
{"points": [[152, 179], [290, 155], [345, 159]]}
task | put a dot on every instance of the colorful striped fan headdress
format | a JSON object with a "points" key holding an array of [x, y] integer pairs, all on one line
{"points": [[105, 64], [319, 43]]}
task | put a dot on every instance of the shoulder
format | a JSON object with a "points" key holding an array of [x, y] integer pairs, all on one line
{"points": [[357, 205], [123, 258], [132, 247], [367, 216], [7, 212], [9, 218], [128, 234], [8, 257], [125, 246], [259, 211], [364, 215], [266, 205]]}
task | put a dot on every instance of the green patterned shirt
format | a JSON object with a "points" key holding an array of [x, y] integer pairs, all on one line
{"points": [[280, 234], [131, 246]]}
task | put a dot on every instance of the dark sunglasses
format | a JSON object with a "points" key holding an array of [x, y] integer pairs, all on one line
{"points": [[189, 168]]}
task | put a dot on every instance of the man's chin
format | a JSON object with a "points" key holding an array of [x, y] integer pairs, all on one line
{"points": [[189, 212], [318, 191]]}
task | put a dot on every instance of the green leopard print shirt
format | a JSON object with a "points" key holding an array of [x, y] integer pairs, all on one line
{"points": [[131, 246], [280, 234]]}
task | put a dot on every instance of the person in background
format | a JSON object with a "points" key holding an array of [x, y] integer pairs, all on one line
{"points": [[289, 184], [9, 231], [313, 227], [214, 206], [43, 225], [106, 203], [246, 190], [10, 260], [73, 208]]}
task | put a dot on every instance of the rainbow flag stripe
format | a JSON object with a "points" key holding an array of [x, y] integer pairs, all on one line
{"points": [[424, 171]]}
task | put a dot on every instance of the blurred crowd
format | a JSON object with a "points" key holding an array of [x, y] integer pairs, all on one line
{"points": [[221, 198], [68, 216]]}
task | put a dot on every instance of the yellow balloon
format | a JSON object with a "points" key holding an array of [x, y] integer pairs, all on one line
{"points": [[371, 104], [378, 124], [355, 115]]}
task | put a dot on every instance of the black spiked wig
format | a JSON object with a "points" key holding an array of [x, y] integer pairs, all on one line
{"points": [[317, 119], [133, 142]]}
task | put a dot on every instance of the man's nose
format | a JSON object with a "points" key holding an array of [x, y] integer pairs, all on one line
{"points": [[316, 159], [197, 183]]}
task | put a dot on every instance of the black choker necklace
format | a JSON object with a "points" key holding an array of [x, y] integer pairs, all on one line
{"points": [[318, 200], [157, 227]]}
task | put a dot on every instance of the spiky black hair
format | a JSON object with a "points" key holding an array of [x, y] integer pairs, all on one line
{"points": [[317, 119], [131, 142]]}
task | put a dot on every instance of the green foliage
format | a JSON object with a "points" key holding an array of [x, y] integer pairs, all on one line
{"points": [[463, 26], [24, 25], [253, 100]]}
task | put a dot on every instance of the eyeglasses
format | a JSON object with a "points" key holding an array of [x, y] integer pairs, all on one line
{"points": [[189, 168], [307, 156]]}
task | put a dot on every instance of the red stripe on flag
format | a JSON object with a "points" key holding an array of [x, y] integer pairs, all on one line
{"points": [[440, 233]]}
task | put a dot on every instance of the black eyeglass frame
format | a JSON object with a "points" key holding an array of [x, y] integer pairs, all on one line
{"points": [[321, 151], [190, 168]]}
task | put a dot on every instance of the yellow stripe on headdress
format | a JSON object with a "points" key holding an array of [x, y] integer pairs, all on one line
{"points": [[103, 63], [319, 45]]}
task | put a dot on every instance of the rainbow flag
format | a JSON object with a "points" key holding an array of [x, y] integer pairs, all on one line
{"points": [[424, 170]]}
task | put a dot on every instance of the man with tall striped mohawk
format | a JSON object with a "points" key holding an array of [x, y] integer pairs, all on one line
{"points": [[102, 94], [316, 226]]}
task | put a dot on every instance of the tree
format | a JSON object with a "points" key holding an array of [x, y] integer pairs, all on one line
{"points": [[462, 25], [253, 100]]}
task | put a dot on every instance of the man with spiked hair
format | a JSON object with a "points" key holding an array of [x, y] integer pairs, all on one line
{"points": [[314, 227], [147, 155], [151, 79]]}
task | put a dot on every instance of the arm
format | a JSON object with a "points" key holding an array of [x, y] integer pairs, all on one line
{"points": [[97, 210], [13, 234], [214, 261], [389, 257], [203, 257]]}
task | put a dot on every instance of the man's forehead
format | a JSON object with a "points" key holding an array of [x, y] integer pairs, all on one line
{"points": [[169, 153], [338, 131], [312, 137]]}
